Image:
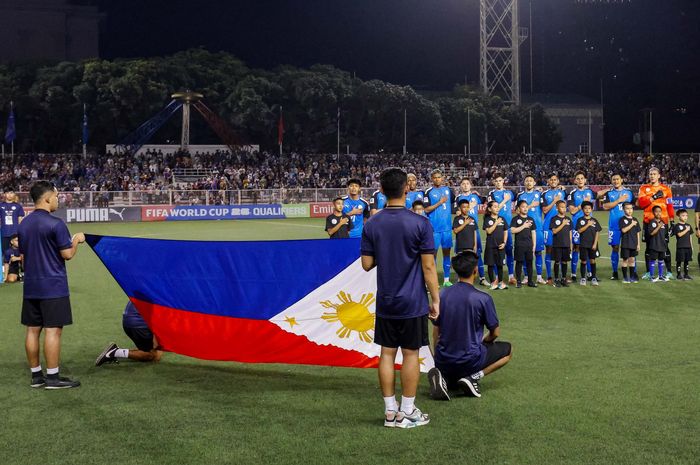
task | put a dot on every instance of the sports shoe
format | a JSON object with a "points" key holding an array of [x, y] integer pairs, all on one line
{"points": [[668, 276], [415, 418], [646, 275], [438, 385], [594, 282], [664, 278], [38, 380], [654, 280], [390, 418], [614, 277], [107, 354], [502, 286], [483, 281], [583, 282], [557, 283], [626, 281], [531, 285], [494, 286], [687, 277], [446, 284], [60, 383], [525, 280], [518, 285], [550, 282], [540, 280], [470, 386], [679, 277], [564, 283], [573, 279], [511, 280]]}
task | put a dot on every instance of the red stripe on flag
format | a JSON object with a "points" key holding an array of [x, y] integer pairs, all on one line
{"points": [[213, 337]]}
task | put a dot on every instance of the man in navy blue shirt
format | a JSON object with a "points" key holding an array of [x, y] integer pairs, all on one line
{"points": [[46, 244], [463, 355], [12, 261], [138, 331], [400, 244], [12, 215]]}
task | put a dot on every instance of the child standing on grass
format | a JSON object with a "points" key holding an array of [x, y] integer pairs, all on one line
{"points": [[684, 246], [656, 246], [629, 244], [560, 226]]}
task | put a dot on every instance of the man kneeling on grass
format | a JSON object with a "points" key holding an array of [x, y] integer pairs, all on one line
{"points": [[462, 354], [138, 331]]}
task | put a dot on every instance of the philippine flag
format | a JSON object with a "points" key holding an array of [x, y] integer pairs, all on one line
{"points": [[301, 302]]}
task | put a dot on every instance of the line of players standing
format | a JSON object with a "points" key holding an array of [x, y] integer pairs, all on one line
{"points": [[540, 224]]}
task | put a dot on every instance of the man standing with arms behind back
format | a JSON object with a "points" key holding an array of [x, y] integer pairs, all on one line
{"points": [[46, 244], [400, 244], [651, 195]]}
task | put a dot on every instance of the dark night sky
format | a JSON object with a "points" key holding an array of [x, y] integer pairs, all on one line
{"points": [[646, 51]]}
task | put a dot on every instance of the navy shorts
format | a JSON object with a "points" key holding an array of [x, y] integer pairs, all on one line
{"points": [[47, 313], [142, 337], [494, 352], [408, 333]]}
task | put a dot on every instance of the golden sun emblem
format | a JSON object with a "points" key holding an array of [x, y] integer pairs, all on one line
{"points": [[353, 316]]}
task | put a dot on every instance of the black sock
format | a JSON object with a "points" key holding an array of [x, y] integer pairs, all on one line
{"points": [[564, 269], [624, 272], [519, 271], [646, 261], [500, 273], [491, 274], [685, 268], [593, 266], [528, 268], [556, 271], [667, 261], [678, 268]]}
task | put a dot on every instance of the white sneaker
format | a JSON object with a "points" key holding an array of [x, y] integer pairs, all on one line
{"points": [[524, 281], [494, 286], [390, 418], [415, 418], [540, 280], [655, 280], [582, 282], [594, 282]]}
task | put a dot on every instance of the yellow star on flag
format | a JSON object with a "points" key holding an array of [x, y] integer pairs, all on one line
{"points": [[292, 321]]}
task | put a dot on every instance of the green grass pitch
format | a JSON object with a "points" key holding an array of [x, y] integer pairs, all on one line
{"points": [[604, 375]]}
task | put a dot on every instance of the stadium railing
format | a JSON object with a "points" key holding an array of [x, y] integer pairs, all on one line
{"points": [[252, 196]]}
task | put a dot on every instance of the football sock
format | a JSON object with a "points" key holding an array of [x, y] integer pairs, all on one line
{"points": [[446, 266], [519, 271], [36, 370], [685, 268], [481, 266], [52, 372], [624, 272], [499, 269], [491, 275], [593, 267], [390, 404], [407, 405], [557, 266], [661, 268], [574, 261], [509, 259], [583, 267], [615, 259], [588, 265], [647, 262], [478, 375], [538, 263], [564, 267], [652, 268], [548, 264], [121, 353]]}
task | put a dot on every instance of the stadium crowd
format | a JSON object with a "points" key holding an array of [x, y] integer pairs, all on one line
{"points": [[154, 171]]}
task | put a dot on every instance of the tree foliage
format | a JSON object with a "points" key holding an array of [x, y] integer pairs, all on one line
{"points": [[122, 94]]}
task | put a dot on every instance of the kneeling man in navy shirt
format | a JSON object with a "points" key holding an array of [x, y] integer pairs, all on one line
{"points": [[463, 355]]}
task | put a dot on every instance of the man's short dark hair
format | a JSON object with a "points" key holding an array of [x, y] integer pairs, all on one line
{"points": [[434, 172], [353, 181], [553, 175], [682, 210], [581, 173], [530, 175], [560, 201], [39, 189], [416, 203], [586, 203], [655, 207], [338, 198], [393, 182], [627, 203], [14, 236], [462, 202], [497, 175], [520, 202], [491, 202], [464, 263]]}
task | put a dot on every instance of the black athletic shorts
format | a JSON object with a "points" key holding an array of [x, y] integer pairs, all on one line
{"points": [[561, 254], [628, 253], [142, 337], [408, 333], [47, 313], [14, 268], [655, 255], [684, 255], [586, 254], [494, 352], [494, 257], [523, 254]]}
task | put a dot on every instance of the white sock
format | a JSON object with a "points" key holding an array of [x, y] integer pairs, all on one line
{"points": [[478, 375], [407, 404], [510, 276], [121, 353], [36, 369], [390, 404], [52, 371]]}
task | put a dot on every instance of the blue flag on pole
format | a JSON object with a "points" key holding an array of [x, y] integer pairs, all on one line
{"points": [[85, 127], [10, 133]]}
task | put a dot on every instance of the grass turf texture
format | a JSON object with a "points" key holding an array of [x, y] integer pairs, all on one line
{"points": [[599, 375]]}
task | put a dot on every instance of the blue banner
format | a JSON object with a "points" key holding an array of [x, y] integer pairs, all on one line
{"points": [[212, 212], [689, 203]]}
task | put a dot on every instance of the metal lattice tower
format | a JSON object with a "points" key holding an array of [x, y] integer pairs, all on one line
{"points": [[500, 39]]}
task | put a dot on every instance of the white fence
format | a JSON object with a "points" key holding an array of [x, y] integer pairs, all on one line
{"points": [[251, 196]]}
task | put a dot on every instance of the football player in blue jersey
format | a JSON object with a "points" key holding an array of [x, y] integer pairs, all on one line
{"points": [[439, 204], [550, 197], [377, 202], [576, 197], [413, 194], [466, 192], [614, 200], [533, 198], [355, 207], [505, 199]]}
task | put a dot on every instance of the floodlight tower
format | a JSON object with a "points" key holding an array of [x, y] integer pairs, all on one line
{"points": [[500, 39], [188, 97]]}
